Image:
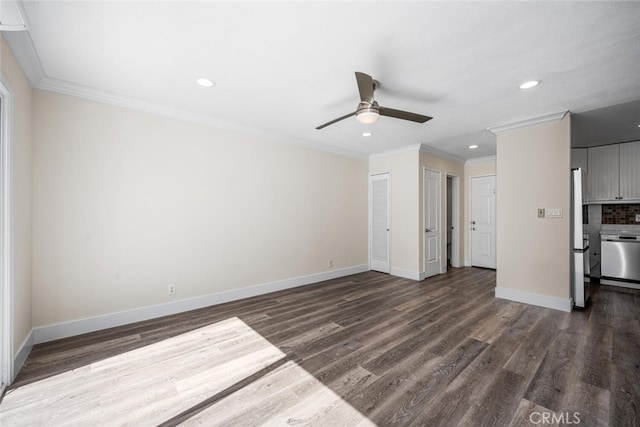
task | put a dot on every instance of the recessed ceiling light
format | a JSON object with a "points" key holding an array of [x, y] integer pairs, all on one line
{"points": [[204, 82], [366, 134], [473, 147], [530, 84]]}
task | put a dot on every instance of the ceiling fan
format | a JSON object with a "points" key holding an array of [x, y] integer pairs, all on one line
{"points": [[368, 109]]}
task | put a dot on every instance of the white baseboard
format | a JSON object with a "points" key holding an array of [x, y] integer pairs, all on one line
{"points": [[22, 354], [81, 326], [407, 274], [414, 275], [534, 299], [467, 263]]}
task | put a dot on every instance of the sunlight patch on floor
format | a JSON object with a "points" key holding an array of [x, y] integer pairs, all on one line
{"points": [[153, 384], [287, 396]]}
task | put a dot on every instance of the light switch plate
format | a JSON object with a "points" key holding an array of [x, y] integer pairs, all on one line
{"points": [[553, 213]]}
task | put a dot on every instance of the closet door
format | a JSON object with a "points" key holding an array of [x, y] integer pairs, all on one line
{"points": [[379, 222]]}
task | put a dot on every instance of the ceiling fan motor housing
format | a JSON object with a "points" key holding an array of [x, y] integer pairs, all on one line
{"points": [[368, 107]]}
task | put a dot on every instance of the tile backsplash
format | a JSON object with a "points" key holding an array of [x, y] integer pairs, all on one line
{"points": [[620, 214]]}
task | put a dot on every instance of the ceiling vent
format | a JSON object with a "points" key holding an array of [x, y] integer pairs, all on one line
{"points": [[12, 16]]}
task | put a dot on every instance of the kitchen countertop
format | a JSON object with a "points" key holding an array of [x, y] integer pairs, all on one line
{"points": [[628, 230]]}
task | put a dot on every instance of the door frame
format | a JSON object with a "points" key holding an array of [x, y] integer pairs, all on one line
{"points": [[6, 234], [455, 220], [370, 216], [424, 222], [471, 216]]}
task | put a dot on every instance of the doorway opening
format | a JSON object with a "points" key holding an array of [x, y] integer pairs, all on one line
{"points": [[452, 224]]}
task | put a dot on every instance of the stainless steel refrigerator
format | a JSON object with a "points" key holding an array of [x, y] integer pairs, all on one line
{"points": [[580, 270]]}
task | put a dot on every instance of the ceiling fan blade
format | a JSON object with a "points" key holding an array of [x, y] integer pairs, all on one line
{"points": [[365, 87], [336, 120], [404, 115]]}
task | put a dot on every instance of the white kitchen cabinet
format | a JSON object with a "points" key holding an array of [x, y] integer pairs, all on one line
{"points": [[603, 179], [614, 173], [630, 170]]}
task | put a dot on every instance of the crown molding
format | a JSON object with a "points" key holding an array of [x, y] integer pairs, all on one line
{"points": [[15, 18], [420, 148], [414, 147], [71, 89], [61, 87], [424, 148], [23, 49], [549, 118], [481, 160], [25, 52]]}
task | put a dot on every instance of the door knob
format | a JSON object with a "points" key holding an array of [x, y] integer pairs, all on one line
{"points": [[473, 228], [473, 222], [426, 230]]}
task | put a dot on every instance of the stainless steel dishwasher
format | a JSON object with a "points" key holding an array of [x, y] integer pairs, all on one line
{"points": [[620, 254]]}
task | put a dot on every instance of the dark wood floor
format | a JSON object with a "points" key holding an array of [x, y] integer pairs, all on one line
{"points": [[443, 351]]}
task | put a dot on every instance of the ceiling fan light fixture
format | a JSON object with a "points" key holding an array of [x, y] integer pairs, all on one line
{"points": [[367, 117], [368, 113]]}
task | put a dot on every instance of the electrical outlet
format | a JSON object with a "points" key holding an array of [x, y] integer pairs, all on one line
{"points": [[540, 212], [171, 290]]}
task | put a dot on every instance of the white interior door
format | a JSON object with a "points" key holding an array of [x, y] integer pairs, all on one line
{"points": [[3, 362], [483, 221], [432, 227], [379, 208]]}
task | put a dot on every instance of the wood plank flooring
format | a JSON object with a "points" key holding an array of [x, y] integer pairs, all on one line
{"points": [[368, 349]]}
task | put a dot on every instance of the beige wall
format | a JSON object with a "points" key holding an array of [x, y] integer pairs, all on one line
{"points": [[21, 92], [407, 205], [471, 169], [126, 203], [532, 173], [404, 240], [445, 168]]}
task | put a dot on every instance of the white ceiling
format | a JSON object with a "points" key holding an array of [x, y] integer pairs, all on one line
{"points": [[281, 69]]}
